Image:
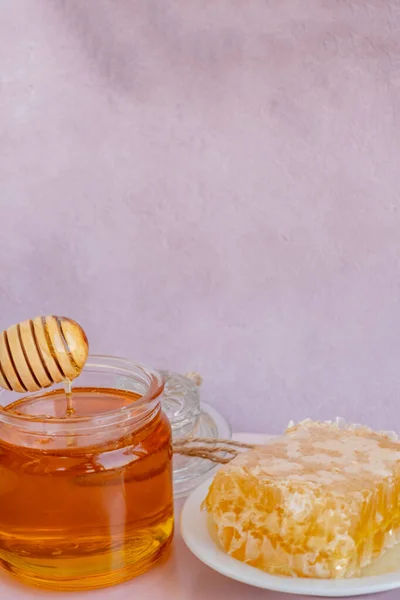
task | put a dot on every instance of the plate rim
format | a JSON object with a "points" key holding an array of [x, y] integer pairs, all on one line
{"points": [[195, 534]]}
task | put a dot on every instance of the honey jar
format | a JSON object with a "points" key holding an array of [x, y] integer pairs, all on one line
{"points": [[86, 497]]}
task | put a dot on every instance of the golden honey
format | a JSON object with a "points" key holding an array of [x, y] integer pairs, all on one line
{"points": [[86, 501], [323, 500]]}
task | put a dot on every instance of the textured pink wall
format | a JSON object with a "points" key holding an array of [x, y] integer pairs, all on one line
{"points": [[213, 186]]}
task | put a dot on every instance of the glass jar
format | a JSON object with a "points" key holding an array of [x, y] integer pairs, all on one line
{"points": [[190, 418], [86, 500]]}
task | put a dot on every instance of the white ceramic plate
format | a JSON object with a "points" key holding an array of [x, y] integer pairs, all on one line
{"points": [[385, 573]]}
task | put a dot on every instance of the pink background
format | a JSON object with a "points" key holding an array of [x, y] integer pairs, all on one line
{"points": [[212, 185]]}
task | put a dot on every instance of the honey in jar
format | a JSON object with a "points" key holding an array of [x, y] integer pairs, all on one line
{"points": [[86, 496]]}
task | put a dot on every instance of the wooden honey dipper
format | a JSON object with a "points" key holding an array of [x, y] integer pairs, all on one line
{"points": [[36, 353]]}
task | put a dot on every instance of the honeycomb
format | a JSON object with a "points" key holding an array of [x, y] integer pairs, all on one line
{"points": [[320, 501]]}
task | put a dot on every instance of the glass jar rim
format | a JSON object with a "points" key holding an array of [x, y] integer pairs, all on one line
{"points": [[155, 388]]}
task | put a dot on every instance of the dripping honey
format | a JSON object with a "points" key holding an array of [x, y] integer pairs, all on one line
{"points": [[70, 411], [88, 514]]}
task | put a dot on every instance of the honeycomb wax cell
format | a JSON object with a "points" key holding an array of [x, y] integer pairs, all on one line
{"points": [[320, 501]]}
